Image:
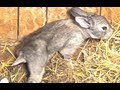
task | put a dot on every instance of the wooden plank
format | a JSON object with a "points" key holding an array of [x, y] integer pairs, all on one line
{"points": [[8, 24], [57, 13], [31, 18], [107, 13], [91, 9], [115, 17]]}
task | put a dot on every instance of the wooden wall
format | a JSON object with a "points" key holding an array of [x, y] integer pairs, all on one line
{"points": [[31, 18]]}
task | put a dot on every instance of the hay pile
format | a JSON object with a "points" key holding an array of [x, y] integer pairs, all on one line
{"points": [[96, 61]]}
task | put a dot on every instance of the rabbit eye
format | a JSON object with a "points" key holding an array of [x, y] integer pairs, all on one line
{"points": [[104, 28]]}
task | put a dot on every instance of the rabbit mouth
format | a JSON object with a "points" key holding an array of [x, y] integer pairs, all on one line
{"points": [[97, 35]]}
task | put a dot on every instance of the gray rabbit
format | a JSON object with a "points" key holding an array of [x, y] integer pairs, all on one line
{"points": [[63, 36]]}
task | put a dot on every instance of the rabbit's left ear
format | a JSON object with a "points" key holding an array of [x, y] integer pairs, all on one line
{"points": [[84, 22]]}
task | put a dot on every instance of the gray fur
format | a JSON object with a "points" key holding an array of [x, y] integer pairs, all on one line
{"points": [[64, 36]]}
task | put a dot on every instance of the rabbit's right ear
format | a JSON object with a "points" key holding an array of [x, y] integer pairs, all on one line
{"points": [[83, 22]]}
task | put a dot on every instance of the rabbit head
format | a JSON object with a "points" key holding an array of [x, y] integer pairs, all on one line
{"points": [[96, 26]]}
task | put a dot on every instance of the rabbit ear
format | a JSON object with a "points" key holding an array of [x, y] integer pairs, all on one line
{"points": [[83, 22], [75, 11], [19, 60]]}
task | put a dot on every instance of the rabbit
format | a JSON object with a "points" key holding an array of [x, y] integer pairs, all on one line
{"points": [[63, 36]]}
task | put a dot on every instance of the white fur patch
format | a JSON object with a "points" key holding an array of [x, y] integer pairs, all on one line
{"points": [[4, 80]]}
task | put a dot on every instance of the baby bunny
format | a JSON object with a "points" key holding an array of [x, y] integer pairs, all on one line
{"points": [[63, 36]]}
